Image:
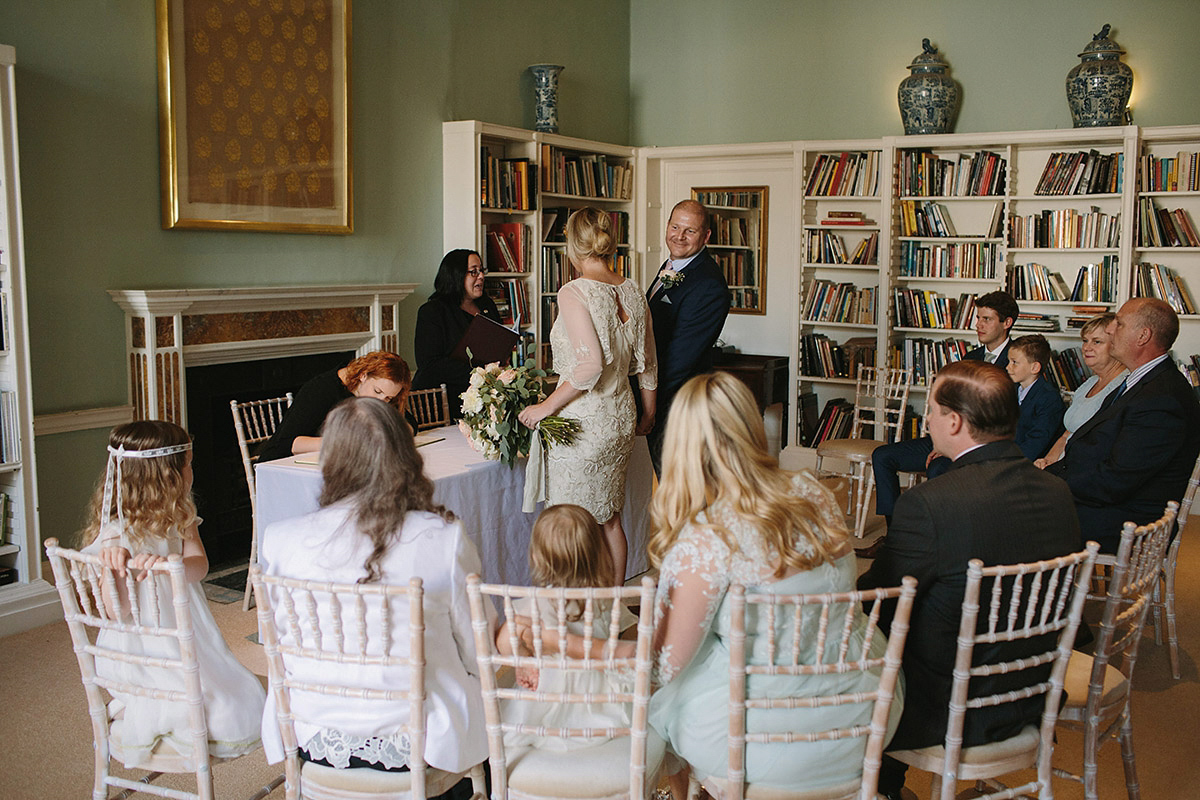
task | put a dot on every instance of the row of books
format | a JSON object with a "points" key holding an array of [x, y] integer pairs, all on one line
{"points": [[10, 441], [826, 301], [843, 218], [844, 175], [1028, 322], [925, 218], [747, 199], [1165, 174], [1067, 370], [834, 423], [554, 224], [921, 308], [1158, 227], [956, 260], [585, 174], [926, 356], [827, 247], [557, 269], [1191, 369], [1065, 227], [745, 298], [549, 315], [508, 246], [1094, 283], [821, 357], [739, 266], [1088, 172], [511, 299], [507, 182], [924, 174], [733, 231], [1159, 280]]}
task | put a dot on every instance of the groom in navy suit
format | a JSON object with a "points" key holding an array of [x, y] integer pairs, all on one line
{"points": [[689, 301], [1137, 452]]}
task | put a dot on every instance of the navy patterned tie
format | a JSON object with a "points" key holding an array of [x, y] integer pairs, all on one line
{"points": [[1112, 398]]}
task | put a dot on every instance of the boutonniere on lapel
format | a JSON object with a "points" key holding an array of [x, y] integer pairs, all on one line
{"points": [[670, 278]]}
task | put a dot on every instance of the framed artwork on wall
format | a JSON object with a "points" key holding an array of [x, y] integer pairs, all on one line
{"points": [[254, 115]]}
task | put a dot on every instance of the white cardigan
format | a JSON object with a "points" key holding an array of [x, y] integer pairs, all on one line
{"points": [[321, 546]]}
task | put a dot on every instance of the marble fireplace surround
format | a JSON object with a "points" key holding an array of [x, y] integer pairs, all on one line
{"points": [[169, 330]]}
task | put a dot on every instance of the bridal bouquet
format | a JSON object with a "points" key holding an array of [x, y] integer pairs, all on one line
{"points": [[490, 406]]}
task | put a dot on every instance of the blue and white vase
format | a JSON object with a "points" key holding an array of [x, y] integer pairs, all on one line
{"points": [[928, 97], [1098, 87], [545, 92]]}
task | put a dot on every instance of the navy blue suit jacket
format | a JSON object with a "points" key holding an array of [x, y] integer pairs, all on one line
{"points": [[1041, 420], [687, 321], [1128, 460], [1001, 361]]}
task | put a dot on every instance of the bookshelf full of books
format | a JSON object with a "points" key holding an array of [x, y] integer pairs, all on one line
{"points": [[737, 219], [25, 598], [507, 193]]}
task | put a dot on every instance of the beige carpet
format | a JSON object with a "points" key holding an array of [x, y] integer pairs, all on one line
{"points": [[47, 737]]}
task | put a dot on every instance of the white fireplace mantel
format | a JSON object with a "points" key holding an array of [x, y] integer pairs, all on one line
{"points": [[169, 330]]}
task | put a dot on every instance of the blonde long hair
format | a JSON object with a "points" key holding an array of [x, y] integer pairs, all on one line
{"points": [[154, 494], [714, 452], [567, 549]]}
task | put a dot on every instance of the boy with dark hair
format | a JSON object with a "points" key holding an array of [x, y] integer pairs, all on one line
{"points": [[1040, 421]]}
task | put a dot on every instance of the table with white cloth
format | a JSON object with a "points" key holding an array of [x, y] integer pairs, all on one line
{"points": [[485, 495]]}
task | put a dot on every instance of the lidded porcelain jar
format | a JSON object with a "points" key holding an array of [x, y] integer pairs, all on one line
{"points": [[1098, 88], [928, 96]]}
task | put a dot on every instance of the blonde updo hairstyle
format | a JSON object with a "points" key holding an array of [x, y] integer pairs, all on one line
{"points": [[715, 453], [590, 234]]}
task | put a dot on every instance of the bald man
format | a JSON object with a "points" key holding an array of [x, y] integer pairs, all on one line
{"points": [[1138, 451]]}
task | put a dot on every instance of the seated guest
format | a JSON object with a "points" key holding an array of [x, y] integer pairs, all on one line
{"points": [[995, 313], [725, 513], [378, 524], [1041, 404], [992, 504], [441, 322], [1138, 451], [1107, 374], [381, 375]]}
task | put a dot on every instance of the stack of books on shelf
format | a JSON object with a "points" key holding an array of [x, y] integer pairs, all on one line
{"points": [[744, 298], [827, 247], [554, 224], [924, 174], [1065, 227], [1035, 323], [508, 246], [557, 270], [738, 266], [919, 308], [1097, 283], [1162, 174], [821, 357], [1088, 172], [1036, 282], [835, 422], [826, 301], [1158, 227], [1067, 370], [10, 442], [1082, 315], [511, 299], [730, 199], [926, 356], [847, 218], [846, 175], [951, 260], [925, 218], [1159, 280], [508, 183], [733, 231], [585, 174]]}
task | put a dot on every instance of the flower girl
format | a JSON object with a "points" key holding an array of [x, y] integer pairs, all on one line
{"points": [[141, 513], [568, 550]]}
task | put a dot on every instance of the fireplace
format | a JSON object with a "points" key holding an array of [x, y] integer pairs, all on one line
{"points": [[191, 351]]}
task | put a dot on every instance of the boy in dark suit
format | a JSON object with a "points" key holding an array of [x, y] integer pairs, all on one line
{"points": [[1041, 419]]}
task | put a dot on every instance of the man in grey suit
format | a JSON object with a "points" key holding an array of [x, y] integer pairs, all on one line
{"points": [[992, 504]]}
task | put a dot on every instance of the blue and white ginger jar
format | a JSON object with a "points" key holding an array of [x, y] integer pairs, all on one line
{"points": [[1098, 87], [929, 96]]}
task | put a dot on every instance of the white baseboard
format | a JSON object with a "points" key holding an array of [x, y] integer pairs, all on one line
{"points": [[28, 605]]}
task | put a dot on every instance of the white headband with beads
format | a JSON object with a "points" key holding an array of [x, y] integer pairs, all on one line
{"points": [[112, 474]]}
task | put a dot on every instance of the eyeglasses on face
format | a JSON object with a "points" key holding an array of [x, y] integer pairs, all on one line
{"points": [[476, 272]]}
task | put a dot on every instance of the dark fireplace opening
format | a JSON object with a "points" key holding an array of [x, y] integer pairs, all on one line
{"points": [[222, 497]]}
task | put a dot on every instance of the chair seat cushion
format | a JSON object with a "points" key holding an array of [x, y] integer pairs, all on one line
{"points": [[857, 450], [718, 788], [318, 781], [1021, 748], [1079, 674], [593, 772]]}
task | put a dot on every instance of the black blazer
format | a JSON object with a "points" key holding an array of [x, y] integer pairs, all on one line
{"points": [[1041, 420], [1001, 361], [995, 505], [687, 321], [1128, 460], [440, 327]]}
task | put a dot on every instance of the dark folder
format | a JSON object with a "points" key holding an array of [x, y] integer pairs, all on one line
{"points": [[488, 341]]}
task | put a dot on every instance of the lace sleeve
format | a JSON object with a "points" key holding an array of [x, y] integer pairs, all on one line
{"points": [[691, 585], [645, 360], [581, 333]]}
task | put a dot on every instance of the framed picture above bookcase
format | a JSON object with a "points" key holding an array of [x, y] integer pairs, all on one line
{"points": [[737, 221]]}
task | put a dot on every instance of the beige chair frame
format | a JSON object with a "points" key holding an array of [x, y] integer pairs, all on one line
{"points": [[835, 614], [880, 402], [91, 598], [1099, 686], [345, 640], [255, 421], [546, 634], [1045, 597], [430, 407]]}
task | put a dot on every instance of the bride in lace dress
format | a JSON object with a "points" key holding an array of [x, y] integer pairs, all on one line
{"points": [[724, 514], [601, 337]]}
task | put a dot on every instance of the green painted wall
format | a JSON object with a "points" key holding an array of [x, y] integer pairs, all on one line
{"points": [[88, 126], [708, 71]]}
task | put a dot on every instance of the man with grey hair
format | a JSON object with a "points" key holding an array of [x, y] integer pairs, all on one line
{"points": [[1138, 451]]}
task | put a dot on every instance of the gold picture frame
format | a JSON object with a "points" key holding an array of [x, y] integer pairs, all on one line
{"points": [[737, 221], [254, 115]]}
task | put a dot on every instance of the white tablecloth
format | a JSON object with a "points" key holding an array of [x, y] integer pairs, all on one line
{"points": [[485, 495]]}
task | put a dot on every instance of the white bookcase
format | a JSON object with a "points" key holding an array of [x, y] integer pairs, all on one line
{"points": [[29, 600]]}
